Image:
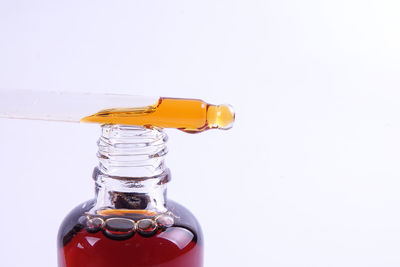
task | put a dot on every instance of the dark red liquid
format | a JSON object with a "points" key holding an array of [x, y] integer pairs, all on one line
{"points": [[179, 245]]}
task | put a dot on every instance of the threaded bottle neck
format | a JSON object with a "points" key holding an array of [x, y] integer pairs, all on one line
{"points": [[131, 172], [131, 151]]}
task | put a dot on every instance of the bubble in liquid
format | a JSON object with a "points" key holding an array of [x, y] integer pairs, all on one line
{"points": [[94, 224], [164, 221], [119, 228], [146, 227]]}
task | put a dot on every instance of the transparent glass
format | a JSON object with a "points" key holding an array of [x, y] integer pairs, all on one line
{"points": [[64, 106], [130, 222], [189, 115]]}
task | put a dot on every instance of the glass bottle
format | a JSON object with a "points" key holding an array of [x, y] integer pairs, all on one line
{"points": [[130, 222]]}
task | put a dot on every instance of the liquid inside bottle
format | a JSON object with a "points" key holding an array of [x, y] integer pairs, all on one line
{"points": [[171, 239]]}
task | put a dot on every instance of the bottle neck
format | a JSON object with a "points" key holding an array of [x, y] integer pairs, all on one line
{"points": [[131, 172]]}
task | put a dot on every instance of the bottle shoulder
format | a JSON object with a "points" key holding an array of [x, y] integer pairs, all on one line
{"points": [[185, 216], [70, 225], [177, 216]]}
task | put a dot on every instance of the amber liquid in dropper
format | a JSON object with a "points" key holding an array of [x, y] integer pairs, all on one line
{"points": [[189, 115]]}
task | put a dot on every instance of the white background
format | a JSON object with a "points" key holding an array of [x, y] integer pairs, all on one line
{"points": [[308, 176]]}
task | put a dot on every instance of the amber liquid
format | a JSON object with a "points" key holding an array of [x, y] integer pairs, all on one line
{"points": [[189, 115], [178, 245]]}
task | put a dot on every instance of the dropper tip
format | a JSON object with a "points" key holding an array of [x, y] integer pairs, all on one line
{"points": [[221, 116], [228, 115]]}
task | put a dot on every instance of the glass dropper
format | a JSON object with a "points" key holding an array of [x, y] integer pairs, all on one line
{"points": [[189, 115]]}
